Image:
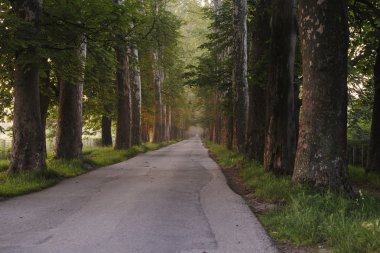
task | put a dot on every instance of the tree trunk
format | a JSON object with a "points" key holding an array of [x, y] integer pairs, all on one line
{"points": [[230, 136], [136, 99], [258, 60], [106, 131], [164, 122], [45, 102], [157, 80], [28, 152], [69, 127], [123, 124], [280, 134], [211, 131], [217, 119], [240, 82], [321, 159], [170, 121], [374, 147]]}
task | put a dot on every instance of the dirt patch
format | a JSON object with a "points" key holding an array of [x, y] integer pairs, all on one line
{"points": [[236, 183], [288, 248]]}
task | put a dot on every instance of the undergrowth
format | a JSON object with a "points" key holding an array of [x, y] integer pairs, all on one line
{"points": [[304, 217], [30, 181]]}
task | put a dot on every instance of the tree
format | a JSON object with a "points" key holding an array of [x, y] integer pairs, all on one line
{"points": [[321, 154], [123, 84], [135, 98], [280, 134], [374, 152], [69, 127], [28, 151], [240, 82], [258, 58], [123, 123], [106, 131], [157, 81]]}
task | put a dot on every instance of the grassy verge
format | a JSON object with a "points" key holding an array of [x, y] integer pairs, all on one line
{"points": [[304, 217], [25, 182], [368, 180]]}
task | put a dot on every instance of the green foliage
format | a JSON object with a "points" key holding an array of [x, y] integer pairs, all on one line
{"points": [[211, 74], [364, 17], [163, 33], [305, 217]]}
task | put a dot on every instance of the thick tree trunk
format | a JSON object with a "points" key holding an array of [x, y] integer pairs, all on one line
{"points": [[136, 99], [280, 134], [321, 159], [69, 127], [106, 131], [240, 82], [28, 146], [258, 61], [123, 124], [374, 148], [28, 152], [157, 81]]}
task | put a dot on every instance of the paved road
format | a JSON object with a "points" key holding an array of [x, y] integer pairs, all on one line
{"points": [[173, 200]]}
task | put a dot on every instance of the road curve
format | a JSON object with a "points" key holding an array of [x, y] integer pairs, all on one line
{"points": [[173, 200]]}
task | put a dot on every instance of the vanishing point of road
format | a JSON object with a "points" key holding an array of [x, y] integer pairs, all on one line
{"points": [[173, 200]]}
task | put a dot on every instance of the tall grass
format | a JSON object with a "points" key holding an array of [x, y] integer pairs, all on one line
{"points": [[4, 164], [305, 217]]}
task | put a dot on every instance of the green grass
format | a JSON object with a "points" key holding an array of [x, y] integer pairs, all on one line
{"points": [[22, 183], [30, 181], [358, 176], [66, 168], [307, 218], [4, 164]]}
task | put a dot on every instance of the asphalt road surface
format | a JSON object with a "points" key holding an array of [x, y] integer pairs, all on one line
{"points": [[173, 200]]}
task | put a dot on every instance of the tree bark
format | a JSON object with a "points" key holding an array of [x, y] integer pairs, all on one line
{"points": [[28, 152], [45, 102], [106, 131], [374, 147], [170, 122], [123, 124], [217, 124], [280, 134], [321, 159], [69, 127], [164, 122], [157, 81], [136, 98], [230, 130], [258, 61], [240, 82]]}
